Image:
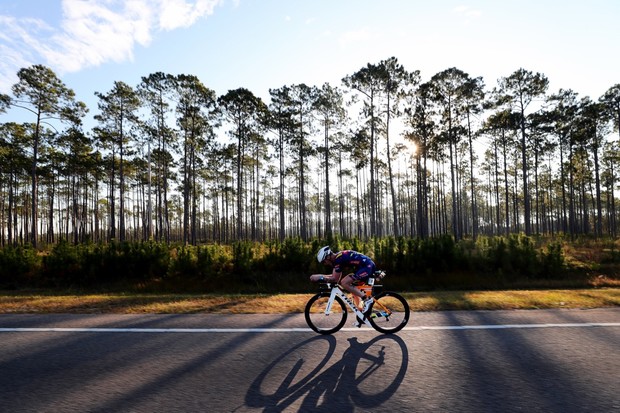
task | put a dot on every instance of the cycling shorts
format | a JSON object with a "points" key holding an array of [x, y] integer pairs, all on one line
{"points": [[363, 273]]}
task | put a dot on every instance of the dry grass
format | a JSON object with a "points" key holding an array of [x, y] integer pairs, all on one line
{"points": [[12, 303], [509, 300]]}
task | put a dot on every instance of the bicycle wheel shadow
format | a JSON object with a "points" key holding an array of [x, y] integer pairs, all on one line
{"points": [[306, 377]]}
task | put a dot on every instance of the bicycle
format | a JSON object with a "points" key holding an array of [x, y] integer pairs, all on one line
{"points": [[326, 311]]}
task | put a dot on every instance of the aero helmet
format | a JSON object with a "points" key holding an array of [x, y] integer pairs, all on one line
{"points": [[323, 253]]}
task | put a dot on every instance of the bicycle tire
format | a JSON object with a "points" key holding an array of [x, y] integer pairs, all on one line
{"points": [[323, 323], [389, 323]]}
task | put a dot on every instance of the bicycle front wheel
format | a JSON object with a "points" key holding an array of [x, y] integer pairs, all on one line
{"points": [[319, 319], [389, 313]]}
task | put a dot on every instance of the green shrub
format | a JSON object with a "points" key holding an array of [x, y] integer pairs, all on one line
{"points": [[523, 255], [553, 262], [18, 266], [243, 256], [184, 263], [438, 262], [212, 261], [295, 255], [62, 266]]}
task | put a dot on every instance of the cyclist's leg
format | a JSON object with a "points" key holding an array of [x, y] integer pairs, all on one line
{"points": [[362, 274], [348, 283], [356, 299]]}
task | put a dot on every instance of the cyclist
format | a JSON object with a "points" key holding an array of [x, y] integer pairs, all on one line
{"points": [[362, 266]]}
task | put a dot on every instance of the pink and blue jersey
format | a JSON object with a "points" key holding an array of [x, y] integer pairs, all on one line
{"points": [[362, 266]]}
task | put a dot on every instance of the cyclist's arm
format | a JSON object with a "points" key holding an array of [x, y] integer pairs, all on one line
{"points": [[334, 277], [336, 274], [321, 278]]}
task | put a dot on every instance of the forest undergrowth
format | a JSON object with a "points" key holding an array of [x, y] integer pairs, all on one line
{"points": [[412, 265]]}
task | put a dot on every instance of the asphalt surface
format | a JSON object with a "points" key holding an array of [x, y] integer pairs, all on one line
{"points": [[481, 361]]}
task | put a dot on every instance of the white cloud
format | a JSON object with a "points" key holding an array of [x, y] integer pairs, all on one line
{"points": [[179, 13], [16, 33], [467, 14], [11, 59], [467, 11], [92, 32], [353, 37]]}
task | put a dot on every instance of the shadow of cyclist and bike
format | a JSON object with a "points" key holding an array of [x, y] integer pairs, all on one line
{"points": [[306, 377]]}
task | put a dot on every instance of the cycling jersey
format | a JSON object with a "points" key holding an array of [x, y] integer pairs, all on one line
{"points": [[362, 266]]}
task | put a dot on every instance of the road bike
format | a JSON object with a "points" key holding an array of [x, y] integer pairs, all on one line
{"points": [[326, 311]]}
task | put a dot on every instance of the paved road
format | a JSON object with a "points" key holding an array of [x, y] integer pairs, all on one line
{"points": [[498, 361]]}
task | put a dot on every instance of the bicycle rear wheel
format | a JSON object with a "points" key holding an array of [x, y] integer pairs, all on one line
{"points": [[319, 320], [389, 313]]}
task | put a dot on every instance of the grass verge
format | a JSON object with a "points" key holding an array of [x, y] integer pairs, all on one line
{"points": [[130, 303]]}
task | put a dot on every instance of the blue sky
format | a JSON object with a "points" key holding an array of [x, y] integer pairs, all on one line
{"points": [[262, 44]]}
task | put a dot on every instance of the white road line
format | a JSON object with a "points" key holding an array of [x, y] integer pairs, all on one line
{"points": [[286, 330], [509, 326]]}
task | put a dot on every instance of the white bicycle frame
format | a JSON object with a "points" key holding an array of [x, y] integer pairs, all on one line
{"points": [[337, 291]]}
